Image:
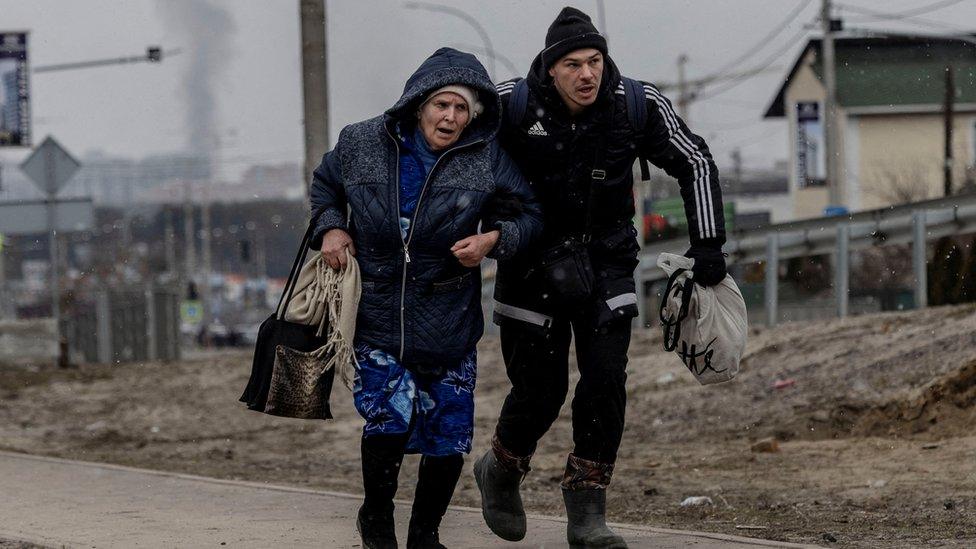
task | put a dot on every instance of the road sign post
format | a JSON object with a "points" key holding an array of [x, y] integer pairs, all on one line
{"points": [[50, 167]]}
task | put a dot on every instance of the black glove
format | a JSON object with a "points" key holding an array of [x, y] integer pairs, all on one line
{"points": [[709, 266], [500, 208]]}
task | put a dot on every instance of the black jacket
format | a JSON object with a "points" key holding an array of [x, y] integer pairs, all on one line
{"points": [[418, 302], [558, 153]]}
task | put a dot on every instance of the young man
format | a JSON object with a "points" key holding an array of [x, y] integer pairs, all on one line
{"points": [[575, 131]]}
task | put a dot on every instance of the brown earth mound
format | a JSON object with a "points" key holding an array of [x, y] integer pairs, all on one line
{"points": [[945, 408]]}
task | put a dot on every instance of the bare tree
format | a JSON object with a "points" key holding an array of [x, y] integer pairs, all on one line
{"points": [[900, 182]]}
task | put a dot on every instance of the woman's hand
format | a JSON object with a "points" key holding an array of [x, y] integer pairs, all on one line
{"points": [[334, 245], [471, 250]]}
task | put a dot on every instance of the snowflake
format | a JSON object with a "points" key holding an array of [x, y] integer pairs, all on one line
{"points": [[462, 380], [377, 422]]}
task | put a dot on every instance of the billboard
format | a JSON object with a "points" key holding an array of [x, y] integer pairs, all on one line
{"points": [[811, 159], [14, 91]]}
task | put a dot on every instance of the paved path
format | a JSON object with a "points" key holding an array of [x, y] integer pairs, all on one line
{"points": [[55, 502]]}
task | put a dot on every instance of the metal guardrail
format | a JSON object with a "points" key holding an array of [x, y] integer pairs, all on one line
{"points": [[915, 223], [125, 325]]}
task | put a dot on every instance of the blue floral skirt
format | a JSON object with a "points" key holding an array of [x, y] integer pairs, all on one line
{"points": [[438, 411]]}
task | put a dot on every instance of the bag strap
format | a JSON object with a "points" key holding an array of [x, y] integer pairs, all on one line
{"points": [[289, 289], [517, 103], [636, 103], [672, 325], [598, 175], [637, 115]]}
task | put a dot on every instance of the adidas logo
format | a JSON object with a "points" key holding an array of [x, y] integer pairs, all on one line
{"points": [[537, 129]]}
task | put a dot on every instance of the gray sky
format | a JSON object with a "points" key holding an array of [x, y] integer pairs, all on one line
{"points": [[252, 46]]}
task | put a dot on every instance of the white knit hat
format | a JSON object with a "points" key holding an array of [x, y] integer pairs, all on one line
{"points": [[469, 95]]}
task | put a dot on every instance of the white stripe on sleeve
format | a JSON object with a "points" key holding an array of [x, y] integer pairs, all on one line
{"points": [[702, 186]]}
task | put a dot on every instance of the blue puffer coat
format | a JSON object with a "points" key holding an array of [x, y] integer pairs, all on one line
{"points": [[418, 302]]}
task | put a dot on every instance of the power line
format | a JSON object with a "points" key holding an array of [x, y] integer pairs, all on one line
{"points": [[765, 63], [751, 141], [763, 42], [873, 16], [728, 126], [882, 16]]}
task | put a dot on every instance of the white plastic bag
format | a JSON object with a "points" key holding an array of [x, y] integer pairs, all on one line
{"points": [[705, 327]]}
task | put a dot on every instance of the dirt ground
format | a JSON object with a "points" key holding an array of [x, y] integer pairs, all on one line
{"points": [[873, 420]]}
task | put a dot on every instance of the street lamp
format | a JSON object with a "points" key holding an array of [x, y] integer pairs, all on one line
{"points": [[466, 17], [494, 56], [154, 54]]}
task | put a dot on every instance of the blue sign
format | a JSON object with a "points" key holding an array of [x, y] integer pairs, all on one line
{"points": [[14, 91]]}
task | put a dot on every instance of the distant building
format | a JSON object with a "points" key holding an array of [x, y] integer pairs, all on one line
{"points": [[890, 93], [262, 182], [122, 181], [759, 197]]}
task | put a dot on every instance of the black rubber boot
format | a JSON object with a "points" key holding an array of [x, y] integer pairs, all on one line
{"points": [[498, 481], [382, 455], [586, 511], [376, 529], [436, 481]]}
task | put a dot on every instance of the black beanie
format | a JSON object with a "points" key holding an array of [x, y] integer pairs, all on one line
{"points": [[572, 30]]}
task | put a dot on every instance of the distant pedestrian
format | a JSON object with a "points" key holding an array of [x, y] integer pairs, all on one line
{"points": [[417, 181]]}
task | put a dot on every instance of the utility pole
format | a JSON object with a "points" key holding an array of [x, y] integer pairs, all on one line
{"points": [[189, 233], [601, 20], [684, 97], [205, 257], [835, 186], [169, 244], [950, 99], [315, 83], [3, 282], [737, 168]]}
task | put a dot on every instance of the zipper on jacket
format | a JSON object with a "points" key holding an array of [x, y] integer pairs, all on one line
{"points": [[406, 242]]}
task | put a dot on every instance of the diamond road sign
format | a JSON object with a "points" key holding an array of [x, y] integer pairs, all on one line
{"points": [[50, 166]]}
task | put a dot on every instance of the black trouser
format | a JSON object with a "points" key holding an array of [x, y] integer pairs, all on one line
{"points": [[537, 363], [382, 455]]}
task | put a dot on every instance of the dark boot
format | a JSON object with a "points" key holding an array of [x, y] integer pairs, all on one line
{"points": [[376, 529], [586, 511], [585, 494], [382, 455], [436, 481], [499, 474]]}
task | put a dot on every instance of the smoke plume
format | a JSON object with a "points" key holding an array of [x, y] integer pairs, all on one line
{"points": [[206, 31]]}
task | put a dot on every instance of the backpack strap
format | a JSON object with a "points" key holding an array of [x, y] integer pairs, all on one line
{"points": [[518, 101], [636, 104], [636, 115]]}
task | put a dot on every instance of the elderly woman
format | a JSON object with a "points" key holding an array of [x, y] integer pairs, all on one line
{"points": [[417, 182]]}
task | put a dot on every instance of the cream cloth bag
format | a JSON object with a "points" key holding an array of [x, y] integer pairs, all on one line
{"points": [[329, 299], [705, 327]]}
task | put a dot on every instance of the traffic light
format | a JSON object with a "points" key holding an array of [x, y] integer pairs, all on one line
{"points": [[154, 54]]}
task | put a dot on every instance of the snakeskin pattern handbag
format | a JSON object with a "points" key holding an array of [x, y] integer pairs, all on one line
{"points": [[299, 387], [283, 359]]}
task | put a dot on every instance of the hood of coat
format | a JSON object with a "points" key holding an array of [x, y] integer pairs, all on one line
{"points": [[449, 66], [539, 79]]}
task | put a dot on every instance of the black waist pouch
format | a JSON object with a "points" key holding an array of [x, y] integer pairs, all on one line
{"points": [[568, 272]]}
